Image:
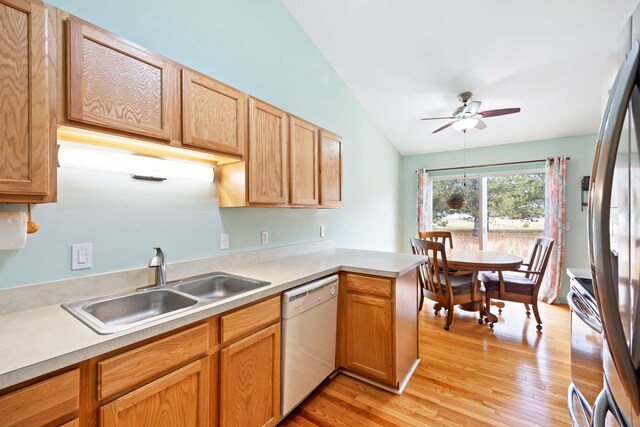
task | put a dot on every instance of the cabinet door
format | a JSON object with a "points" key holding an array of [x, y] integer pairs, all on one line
{"points": [[369, 336], [213, 114], [43, 402], [250, 380], [116, 84], [330, 170], [25, 111], [176, 399], [267, 154], [303, 162]]}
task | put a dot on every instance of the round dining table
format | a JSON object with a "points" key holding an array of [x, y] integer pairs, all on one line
{"points": [[475, 261]]}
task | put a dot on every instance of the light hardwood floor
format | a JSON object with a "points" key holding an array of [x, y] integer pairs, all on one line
{"points": [[470, 375]]}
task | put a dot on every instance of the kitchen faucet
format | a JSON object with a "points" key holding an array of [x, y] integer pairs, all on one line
{"points": [[159, 262]]}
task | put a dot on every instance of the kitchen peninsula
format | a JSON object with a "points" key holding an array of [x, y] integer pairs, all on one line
{"points": [[48, 342]]}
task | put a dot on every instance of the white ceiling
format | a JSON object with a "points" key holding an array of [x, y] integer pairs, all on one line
{"points": [[408, 59]]}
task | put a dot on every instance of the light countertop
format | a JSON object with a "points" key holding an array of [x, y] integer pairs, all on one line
{"points": [[44, 339]]}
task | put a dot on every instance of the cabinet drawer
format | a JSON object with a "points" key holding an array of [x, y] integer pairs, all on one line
{"points": [[250, 319], [42, 402], [369, 285], [127, 369], [176, 399]]}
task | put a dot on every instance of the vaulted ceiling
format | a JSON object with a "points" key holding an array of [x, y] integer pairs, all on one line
{"points": [[408, 59]]}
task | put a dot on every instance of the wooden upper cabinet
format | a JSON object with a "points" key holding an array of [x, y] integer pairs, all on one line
{"points": [[303, 162], [27, 145], [213, 114], [116, 84], [330, 170], [267, 175]]}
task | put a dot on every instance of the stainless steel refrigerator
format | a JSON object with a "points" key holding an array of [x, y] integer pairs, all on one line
{"points": [[614, 236]]}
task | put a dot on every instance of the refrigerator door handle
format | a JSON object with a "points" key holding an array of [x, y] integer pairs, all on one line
{"points": [[599, 215]]}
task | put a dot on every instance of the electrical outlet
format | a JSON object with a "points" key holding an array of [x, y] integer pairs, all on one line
{"points": [[264, 237], [81, 256], [323, 231], [224, 241]]}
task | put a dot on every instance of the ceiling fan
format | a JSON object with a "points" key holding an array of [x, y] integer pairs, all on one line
{"points": [[467, 116]]}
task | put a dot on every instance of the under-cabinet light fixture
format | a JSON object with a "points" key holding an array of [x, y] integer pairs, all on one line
{"points": [[80, 156]]}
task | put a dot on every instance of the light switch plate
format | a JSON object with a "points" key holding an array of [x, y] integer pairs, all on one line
{"points": [[81, 256], [323, 231], [264, 237], [224, 241]]}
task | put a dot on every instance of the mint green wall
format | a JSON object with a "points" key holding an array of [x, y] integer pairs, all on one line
{"points": [[259, 48], [579, 148]]}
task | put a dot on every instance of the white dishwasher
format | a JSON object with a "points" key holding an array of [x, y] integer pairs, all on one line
{"points": [[309, 317]]}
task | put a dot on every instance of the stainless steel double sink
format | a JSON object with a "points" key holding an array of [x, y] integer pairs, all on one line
{"points": [[119, 312]]}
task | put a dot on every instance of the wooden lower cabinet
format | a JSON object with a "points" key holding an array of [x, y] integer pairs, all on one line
{"points": [[176, 399], [43, 402], [250, 380], [370, 336], [378, 327]]}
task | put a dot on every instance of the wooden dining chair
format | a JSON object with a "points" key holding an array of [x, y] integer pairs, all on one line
{"points": [[521, 285], [438, 285], [443, 237]]}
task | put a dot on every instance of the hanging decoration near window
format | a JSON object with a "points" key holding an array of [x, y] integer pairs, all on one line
{"points": [[457, 200]]}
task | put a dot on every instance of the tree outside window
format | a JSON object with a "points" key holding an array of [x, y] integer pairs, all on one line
{"points": [[515, 212]]}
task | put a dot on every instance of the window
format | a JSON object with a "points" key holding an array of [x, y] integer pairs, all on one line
{"points": [[464, 224], [503, 213]]}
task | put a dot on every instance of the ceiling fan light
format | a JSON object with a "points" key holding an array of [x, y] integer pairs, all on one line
{"points": [[465, 124]]}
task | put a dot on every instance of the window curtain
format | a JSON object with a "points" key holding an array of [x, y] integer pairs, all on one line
{"points": [[555, 219], [422, 201]]}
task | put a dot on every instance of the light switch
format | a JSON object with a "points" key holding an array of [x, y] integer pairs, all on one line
{"points": [[224, 241], [81, 256]]}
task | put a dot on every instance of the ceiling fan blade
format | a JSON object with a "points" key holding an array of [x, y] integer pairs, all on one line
{"points": [[501, 112], [443, 127], [437, 118], [472, 108], [480, 125]]}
